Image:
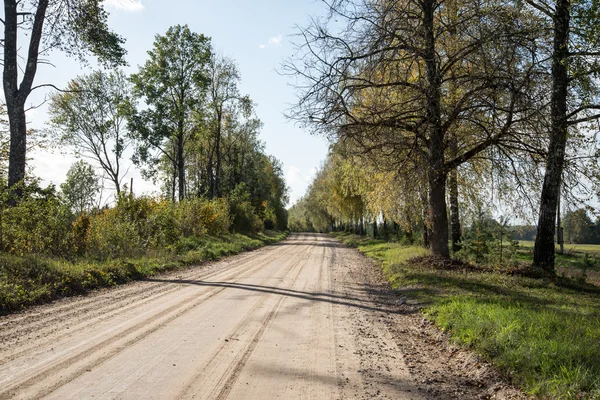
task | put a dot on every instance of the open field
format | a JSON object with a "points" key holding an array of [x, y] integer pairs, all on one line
{"points": [[569, 247], [544, 335], [579, 261]]}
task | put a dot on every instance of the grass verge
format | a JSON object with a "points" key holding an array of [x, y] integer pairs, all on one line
{"points": [[30, 280], [543, 335]]}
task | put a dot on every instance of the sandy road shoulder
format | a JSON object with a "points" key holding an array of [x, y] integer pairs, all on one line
{"points": [[430, 365]]}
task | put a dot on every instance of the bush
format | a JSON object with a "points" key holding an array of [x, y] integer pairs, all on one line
{"points": [[200, 216], [39, 224], [244, 216], [111, 237]]}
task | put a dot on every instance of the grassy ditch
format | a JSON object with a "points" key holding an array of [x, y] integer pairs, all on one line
{"points": [[32, 279], [543, 335]]}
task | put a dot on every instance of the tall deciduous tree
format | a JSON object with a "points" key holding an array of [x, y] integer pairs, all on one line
{"points": [[383, 83], [574, 99], [81, 187], [91, 118], [172, 84], [76, 27], [223, 97]]}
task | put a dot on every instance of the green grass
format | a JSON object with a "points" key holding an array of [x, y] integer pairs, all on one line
{"points": [[569, 247], [543, 335], [29, 280], [579, 261]]}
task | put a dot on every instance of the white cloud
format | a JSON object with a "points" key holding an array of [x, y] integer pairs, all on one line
{"points": [[275, 41], [127, 5]]}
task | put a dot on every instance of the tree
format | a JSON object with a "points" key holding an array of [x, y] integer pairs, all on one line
{"points": [[223, 96], [172, 84], [80, 187], [579, 227], [382, 83], [575, 58], [77, 27], [91, 117]]}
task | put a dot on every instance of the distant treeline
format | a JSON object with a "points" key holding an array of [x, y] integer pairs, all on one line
{"points": [[578, 228]]}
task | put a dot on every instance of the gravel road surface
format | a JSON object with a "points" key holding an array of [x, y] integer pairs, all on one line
{"points": [[304, 319]]}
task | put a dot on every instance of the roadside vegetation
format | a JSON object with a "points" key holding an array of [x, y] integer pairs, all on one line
{"points": [[30, 280], [49, 251], [544, 335]]}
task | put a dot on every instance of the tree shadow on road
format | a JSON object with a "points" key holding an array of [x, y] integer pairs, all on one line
{"points": [[390, 306]]}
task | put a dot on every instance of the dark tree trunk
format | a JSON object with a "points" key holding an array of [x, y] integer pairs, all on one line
{"points": [[426, 236], [174, 182], [18, 143], [385, 228], [454, 215], [15, 95], [374, 228], [436, 170], [115, 179], [543, 253], [181, 167], [218, 154], [425, 216], [439, 218], [211, 178]]}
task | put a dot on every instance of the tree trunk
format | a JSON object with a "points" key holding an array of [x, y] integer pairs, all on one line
{"points": [[454, 215], [174, 182], [426, 236], [436, 170], [218, 154], [543, 253], [14, 105], [439, 218], [375, 228], [18, 143], [559, 231], [115, 179], [181, 168], [426, 219], [16, 96]]}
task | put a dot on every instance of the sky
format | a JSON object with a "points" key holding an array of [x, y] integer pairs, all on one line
{"points": [[257, 34]]}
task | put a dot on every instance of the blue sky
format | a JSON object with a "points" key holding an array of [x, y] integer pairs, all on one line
{"points": [[254, 33]]}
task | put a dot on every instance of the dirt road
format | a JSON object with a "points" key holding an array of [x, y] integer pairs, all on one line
{"points": [[305, 319]]}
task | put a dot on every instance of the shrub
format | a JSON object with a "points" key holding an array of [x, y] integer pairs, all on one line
{"points": [[40, 224], [111, 237], [80, 230], [244, 217], [163, 225]]}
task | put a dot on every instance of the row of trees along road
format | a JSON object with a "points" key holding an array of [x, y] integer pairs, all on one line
{"points": [[428, 100], [181, 114]]}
